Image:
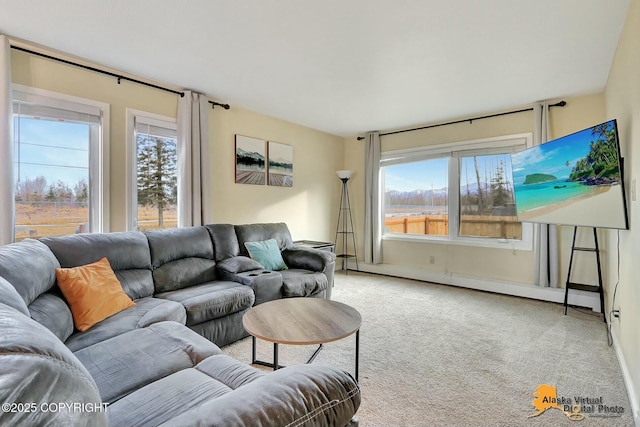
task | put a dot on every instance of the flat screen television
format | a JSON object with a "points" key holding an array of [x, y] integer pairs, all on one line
{"points": [[574, 180]]}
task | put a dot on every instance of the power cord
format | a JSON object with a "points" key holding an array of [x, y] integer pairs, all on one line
{"points": [[614, 313]]}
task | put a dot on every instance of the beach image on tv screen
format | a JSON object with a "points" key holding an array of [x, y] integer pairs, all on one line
{"points": [[573, 180]]}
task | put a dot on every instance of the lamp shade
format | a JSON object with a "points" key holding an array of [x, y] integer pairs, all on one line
{"points": [[344, 174]]}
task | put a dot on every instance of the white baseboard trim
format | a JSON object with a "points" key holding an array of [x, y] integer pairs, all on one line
{"points": [[626, 376], [576, 297]]}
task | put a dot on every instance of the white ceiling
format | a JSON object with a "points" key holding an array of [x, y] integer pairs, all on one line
{"points": [[342, 66]]}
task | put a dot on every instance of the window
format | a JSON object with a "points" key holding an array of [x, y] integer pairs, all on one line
{"points": [[416, 199], [60, 177], [153, 175], [454, 192]]}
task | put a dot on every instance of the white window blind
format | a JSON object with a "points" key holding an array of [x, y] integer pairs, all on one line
{"points": [[153, 127]]}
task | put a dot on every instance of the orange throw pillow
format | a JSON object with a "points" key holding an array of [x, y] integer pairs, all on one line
{"points": [[93, 293]]}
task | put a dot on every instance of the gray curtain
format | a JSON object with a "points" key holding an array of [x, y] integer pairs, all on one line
{"points": [[545, 236], [7, 186], [194, 183], [373, 212]]}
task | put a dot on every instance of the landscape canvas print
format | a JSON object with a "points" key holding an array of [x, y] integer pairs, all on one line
{"points": [[573, 180], [250, 160], [280, 164]]}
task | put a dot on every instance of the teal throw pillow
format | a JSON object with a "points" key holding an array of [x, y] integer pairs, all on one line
{"points": [[266, 253]]}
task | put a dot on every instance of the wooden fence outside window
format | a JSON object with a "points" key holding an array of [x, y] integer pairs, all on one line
{"points": [[501, 227]]}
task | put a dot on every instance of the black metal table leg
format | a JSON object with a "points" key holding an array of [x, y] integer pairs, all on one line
{"points": [[357, 352], [315, 353], [253, 350], [275, 365], [275, 356]]}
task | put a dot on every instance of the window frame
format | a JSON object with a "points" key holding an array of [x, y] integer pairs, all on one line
{"points": [[99, 148], [454, 152], [132, 156]]}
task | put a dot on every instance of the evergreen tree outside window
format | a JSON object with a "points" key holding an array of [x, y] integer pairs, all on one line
{"points": [[156, 178], [487, 202]]}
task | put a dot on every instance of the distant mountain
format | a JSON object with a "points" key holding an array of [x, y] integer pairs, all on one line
{"points": [[256, 157], [417, 193], [249, 160], [438, 192], [473, 188]]}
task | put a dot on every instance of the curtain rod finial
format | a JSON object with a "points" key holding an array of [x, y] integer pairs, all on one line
{"points": [[213, 105], [360, 138]]}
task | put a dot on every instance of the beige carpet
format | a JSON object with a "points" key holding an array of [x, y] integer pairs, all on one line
{"points": [[435, 355]]}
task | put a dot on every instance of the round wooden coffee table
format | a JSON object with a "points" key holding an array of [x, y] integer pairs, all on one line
{"points": [[301, 321]]}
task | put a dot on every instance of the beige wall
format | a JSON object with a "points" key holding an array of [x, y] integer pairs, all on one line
{"points": [[514, 266], [308, 208], [623, 103], [30, 70]]}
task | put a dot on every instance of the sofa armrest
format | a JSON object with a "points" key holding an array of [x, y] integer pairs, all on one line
{"points": [[238, 264], [308, 258], [166, 310], [302, 395], [266, 285]]}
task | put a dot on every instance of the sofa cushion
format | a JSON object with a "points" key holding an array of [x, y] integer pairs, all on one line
{"points": [[260, 232], [300, 396], [181, 257], [152, 405], [183, 273], [36, 368], [53, 313], [160, 350], [127, 252], [225, 242], [136, 282], [11, 297], [302, 283], [147, 311], [266, 253], [223, 330], [176, 243], [211, 300], [93, 293], [30, 267]]}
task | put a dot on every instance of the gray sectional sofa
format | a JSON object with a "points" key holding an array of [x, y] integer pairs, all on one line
{"points": [[159, 362]]}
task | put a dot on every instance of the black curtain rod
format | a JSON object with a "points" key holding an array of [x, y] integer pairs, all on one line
{"points": [[213, 105], [557, 104], [108, 73]]}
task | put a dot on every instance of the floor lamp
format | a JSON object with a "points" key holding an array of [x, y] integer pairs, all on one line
{"points": [[344, 226]]}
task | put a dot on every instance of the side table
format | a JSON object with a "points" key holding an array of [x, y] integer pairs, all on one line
{"points": [[323, 246]]}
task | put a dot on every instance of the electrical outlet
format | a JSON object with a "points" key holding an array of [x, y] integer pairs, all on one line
{"points": [[432, 259], [616, 313]]}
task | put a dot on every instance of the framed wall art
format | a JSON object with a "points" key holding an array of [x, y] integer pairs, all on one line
{"points": [[280, 170], [251, 167]]}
